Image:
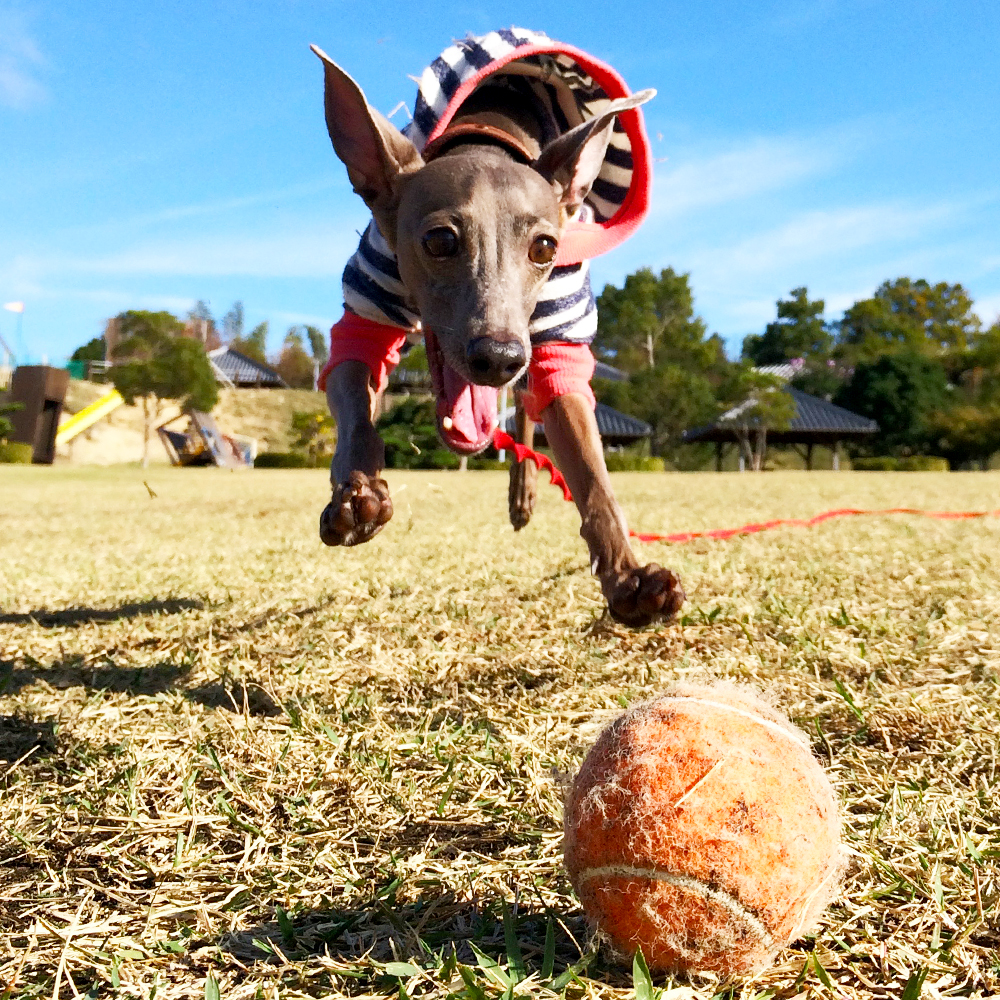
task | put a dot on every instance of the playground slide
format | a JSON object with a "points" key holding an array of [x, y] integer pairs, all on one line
{"points": [[88, 416]]}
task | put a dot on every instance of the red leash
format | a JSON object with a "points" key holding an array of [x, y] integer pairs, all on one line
{"points": [[502, 440]]}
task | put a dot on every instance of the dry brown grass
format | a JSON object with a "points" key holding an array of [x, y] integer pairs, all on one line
{"points": [[236, 763]]}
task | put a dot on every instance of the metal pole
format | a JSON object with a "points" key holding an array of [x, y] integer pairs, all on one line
{"points": [[501, 453]]}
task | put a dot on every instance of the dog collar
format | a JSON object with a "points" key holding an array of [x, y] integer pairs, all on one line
{"points": [[475, 130]]}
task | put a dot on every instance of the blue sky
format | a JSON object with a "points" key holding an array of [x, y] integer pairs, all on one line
{"points": [[154, 154]]}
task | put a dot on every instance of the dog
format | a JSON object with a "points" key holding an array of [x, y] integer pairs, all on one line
{"points": [[468, 242]]}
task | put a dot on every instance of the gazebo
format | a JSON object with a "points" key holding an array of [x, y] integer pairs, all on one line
{"points": [[616, 428], [235, 370], [816, 421]]}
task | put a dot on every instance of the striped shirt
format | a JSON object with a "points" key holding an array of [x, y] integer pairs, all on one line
{"points": [[566, 95]]}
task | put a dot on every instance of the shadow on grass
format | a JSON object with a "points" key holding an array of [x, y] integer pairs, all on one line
{"points": [[72, 617], [62, 674], [158, 678], [425, 932], [19, 737], [239, 697]]}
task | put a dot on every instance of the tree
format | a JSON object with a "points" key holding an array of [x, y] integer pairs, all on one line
{"points": [[648, 328], [909, 315], [154, 362], [315, 434], [798, 332], [319, 344], [201, 326], [650, 320], [966, 434], [253, 346], [969, 431], [902, 391], [6, 424], [764, 406], [294, 365], [93, 350], [232, 323], [409, 431], [670, 399]]}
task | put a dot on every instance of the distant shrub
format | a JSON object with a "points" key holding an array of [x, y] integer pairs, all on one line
{"points": [[488, 464], [15, 453], [283, 460], [923, 463], [915, 463], [618, 461], [409, 431], [883, 463]]}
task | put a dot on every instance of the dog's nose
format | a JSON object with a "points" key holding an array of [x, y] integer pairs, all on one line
{"points": [[495, 362]]}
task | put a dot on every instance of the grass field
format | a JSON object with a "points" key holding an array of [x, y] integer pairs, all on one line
{"points": [[235, 764]]}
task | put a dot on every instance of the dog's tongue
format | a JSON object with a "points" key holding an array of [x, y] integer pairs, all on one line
{"points": [[466, 413]]}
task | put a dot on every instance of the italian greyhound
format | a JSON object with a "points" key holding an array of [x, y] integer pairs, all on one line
{"points": [[475, 225]]}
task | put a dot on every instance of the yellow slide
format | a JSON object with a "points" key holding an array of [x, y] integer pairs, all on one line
{"points": [[88, 416]]}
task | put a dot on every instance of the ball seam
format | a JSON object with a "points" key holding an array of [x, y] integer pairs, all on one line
{"points": [[729, 902], [681, 699]]}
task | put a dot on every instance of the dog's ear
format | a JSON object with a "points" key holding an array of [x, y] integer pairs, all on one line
{"points": [[572, 162], [374, 151]]}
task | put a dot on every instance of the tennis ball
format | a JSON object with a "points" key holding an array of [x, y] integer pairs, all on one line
{"points": [[702, 830]]}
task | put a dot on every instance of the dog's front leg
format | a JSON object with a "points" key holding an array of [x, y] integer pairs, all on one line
{"points": [[360, 506], [523, 486], [636, 595]]}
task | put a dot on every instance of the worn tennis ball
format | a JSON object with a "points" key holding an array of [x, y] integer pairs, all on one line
{"points": [[702, 830]]}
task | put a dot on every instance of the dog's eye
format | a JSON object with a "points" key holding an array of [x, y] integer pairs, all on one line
{"points": [[441, 242], [543, 250]]}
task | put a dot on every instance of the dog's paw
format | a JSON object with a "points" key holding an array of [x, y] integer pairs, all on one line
{"points": [[645, 594], [359, 510]]}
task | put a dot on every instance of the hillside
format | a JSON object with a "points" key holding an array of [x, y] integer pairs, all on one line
{"points": [[264, 414]]}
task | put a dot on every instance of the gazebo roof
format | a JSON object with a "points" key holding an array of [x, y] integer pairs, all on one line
{"points": [[816, 421], [615, 427], [239, 370]]}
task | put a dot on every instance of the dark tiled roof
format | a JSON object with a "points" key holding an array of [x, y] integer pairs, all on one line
{"points": [[609, 372], [241, 370], [612, 423], [613, 426], [814, 418], [813, 413]]}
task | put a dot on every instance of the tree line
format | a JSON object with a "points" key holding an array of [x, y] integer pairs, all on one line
{"points": [[302, 353], [914, 357]]}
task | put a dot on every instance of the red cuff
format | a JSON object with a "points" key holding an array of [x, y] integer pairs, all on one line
{"points": [[354, 338], [556, 370]]}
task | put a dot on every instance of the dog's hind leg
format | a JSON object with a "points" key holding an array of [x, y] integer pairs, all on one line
{"points": [[523, 486]]}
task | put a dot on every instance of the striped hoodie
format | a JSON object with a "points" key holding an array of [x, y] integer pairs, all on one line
{"points": [[569, 86]]}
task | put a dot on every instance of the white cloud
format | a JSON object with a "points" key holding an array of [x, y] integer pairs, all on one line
{"points": [[758, 166], [114, 300], [20, 59], [814, 236], [221, 206], [316, 253], [988, 308]]}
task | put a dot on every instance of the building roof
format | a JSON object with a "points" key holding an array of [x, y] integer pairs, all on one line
{"points": [[614, 427], [612, 374], [787, 370], [233, 368], [816, 420]]}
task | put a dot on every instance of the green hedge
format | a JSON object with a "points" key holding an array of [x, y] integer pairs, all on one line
{"points": [[282, 460], [623, 462], [924, 463], [15, 453], [915, 463]]}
